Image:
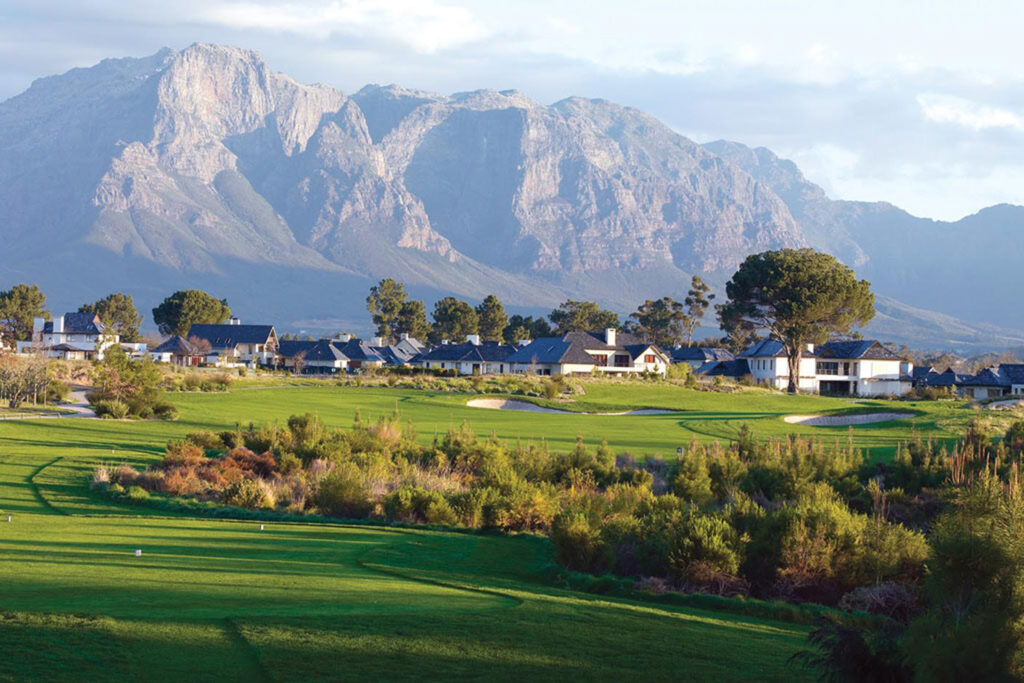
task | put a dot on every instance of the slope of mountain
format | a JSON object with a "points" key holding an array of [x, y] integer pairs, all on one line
{"points": [[205, 168]]}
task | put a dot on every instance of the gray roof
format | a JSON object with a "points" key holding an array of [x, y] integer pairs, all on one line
{"points": [[861, 349], [359, 351], [178, 346], [78, 323], [573, 346], [766, 348], [1004, 375], [738, 367], [228, 336], [487, 352], [703, 354]]}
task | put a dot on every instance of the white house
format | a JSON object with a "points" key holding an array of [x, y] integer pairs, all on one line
{"points": [[72, 336], [613, 353], [178, 351], [854, 368], [312, 357], [473, 357], [235, 344]]}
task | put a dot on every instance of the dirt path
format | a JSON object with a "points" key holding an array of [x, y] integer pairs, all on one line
{"points": [[79, 407], [527, 407]]}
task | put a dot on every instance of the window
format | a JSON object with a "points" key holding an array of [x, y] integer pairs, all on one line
{"points": [[649, 358], [621, 361], [827, 368]]}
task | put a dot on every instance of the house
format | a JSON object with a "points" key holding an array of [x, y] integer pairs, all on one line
{"points": [[1006, 379], [928, 377], [360, 354], [312, 357], [698, 356], [399, 354], [234, 344], [72, 336], [178, 351], [610, 352], [849, 368], [473, 357]]}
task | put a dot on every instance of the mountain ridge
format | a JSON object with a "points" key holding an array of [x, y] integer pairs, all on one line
{"points": [[209, 166]]}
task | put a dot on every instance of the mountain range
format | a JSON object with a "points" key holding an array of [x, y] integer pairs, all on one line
{"points": [[205, 168]]}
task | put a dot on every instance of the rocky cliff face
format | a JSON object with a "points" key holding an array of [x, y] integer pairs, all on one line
{"points": [[204, 163]]}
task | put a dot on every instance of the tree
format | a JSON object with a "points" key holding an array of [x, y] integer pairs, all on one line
{"points": [[800, 296], [187, 307], [412, 320], [492, 318], [520, 328], [117, 311], [453, 320], [660, 322], [697, 302], [971, 628], [385, 304], [19, 307], [582, 316]]}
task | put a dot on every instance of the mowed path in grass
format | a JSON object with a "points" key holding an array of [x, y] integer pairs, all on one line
{"points": [[222, 600]]}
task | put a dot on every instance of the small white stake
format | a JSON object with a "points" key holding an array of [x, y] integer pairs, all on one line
{"points": [[138, 553], [261, 527], [8, 518]]}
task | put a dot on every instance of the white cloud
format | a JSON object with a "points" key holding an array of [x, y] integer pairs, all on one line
{"points": [[963, 112], [426, 26]]}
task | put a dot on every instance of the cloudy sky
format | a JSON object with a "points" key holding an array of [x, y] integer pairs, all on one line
{"points": [[917, 103]]}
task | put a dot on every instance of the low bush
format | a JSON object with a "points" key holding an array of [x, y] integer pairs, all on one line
{"points": [[111, 409]]}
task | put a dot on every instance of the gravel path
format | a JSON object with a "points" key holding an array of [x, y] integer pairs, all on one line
{"points": [[79, 406], [527, 407], [845, 420]]}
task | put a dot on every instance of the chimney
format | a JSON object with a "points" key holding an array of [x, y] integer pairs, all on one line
{"points": [[473, 339], [609, 336], [403, 336], [810, 348], [524, 342], [377, 341], [37, 328], [344, 337], [234, 320], [58, 324]]}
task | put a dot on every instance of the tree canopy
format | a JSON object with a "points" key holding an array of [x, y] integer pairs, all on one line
{"points": [[184, 308], [453, 320], [412, 320], [799, 296], [662, 322], [492, 318], [19, 306], [385, 304], [117, 311], [520, 328], [697, 302], [582, 316]]}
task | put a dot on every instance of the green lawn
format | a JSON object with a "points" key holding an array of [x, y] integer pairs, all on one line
{"points": [[214, 599]]}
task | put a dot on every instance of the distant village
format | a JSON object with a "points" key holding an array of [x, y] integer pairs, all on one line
{"points": [[843, 367]]}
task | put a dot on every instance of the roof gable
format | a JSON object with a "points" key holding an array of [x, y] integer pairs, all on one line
{"points": [[227, 336]]}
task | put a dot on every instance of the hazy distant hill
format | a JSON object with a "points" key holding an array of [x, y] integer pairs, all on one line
{"points": [[205, 168]]}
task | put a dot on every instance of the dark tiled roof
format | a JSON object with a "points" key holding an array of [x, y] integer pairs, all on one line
{"points": [[78, 323], [228, 336], [358, 350], [489, 352], [766, 348], [865, 349], [287, 348], [1003, 375], [703, 354], [573, 346], [320, 350], [737, 367], [178, 346]]}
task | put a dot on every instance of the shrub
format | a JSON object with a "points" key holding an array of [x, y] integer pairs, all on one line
{"points": [[136, 495], [165, 411], [100, 478], [111, 409], [343, 492], [208, 441], [248, 493]]}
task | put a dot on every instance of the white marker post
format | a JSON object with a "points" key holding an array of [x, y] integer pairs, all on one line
{"points": [[8, 518], [138, 552], [261, 527]]}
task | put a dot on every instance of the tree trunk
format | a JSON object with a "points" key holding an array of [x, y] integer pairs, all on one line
{"points": [[793, 358]]}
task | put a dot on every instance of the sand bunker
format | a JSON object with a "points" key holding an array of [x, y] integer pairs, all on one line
{"points": [[526, 406], [845, 420]]}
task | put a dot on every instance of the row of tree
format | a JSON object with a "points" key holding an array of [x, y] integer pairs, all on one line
{"points": [[23, 303], [664, 321]]}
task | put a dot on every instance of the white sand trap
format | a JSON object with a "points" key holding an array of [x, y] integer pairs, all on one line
{"points": [[845, 420], [526, 406], [1005, 405]]}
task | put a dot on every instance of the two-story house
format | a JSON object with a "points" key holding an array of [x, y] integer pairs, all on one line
{"points": [[234, 344], [611, 352], [72, 336]]}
